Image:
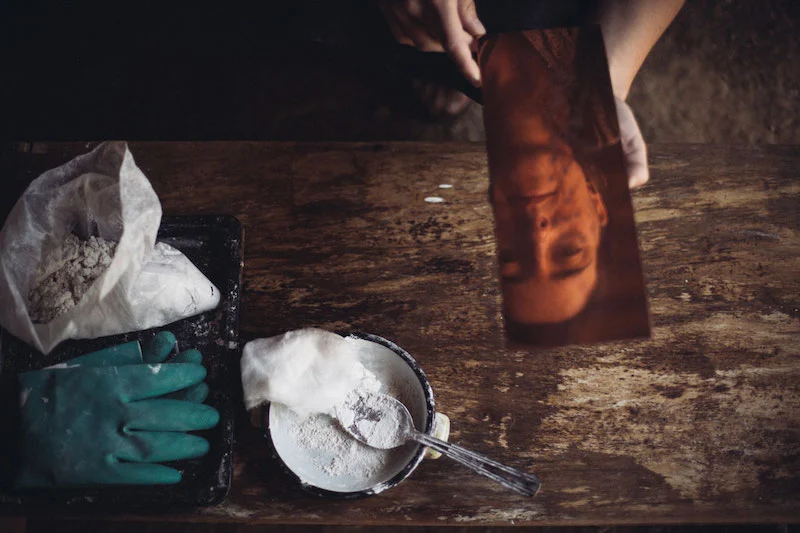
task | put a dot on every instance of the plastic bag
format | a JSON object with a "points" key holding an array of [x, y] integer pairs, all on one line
{"points": [[103, 194]]}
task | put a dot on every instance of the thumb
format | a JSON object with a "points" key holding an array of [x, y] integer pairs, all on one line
{"points": [[633, 146], [469, 18]]}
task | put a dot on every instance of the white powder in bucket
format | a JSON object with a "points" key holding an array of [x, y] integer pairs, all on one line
{"points": [[334, 451], [310, 371], [315, 370], [318, 433]]}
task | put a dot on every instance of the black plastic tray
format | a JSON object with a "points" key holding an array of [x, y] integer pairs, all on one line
{"points": [[215, 245]]}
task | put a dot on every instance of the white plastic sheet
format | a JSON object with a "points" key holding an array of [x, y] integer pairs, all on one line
{"points": [[102, 193]]}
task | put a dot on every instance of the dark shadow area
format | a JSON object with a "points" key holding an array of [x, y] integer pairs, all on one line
{"points": [[723, 72]]}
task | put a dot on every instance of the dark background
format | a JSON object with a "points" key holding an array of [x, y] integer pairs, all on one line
{"points": [[724, 72]]}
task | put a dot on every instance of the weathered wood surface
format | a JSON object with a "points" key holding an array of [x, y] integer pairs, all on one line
{"points": [[701, 423]]}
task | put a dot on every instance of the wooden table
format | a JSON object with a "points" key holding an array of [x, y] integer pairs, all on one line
{"points": [[701, 423]]}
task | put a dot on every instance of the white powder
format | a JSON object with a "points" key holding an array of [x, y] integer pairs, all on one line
{"points": [[314, 368], [64, 275], [337, 453], [333, 450], [374, 418]]}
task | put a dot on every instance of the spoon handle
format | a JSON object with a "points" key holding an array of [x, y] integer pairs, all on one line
{"points": [[521, 482]]}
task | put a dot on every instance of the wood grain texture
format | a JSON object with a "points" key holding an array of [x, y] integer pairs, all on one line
{"points": [[701, 423]]}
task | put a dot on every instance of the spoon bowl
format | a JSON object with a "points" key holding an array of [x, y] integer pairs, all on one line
{"points": [[378, 420]]}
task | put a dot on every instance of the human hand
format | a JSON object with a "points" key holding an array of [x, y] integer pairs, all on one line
{"points": [[450, 26], [633, 145]]}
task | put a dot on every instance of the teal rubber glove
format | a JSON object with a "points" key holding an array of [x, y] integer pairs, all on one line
{"points": [[129, 353], [110, 423], [158, 349], [155, 351]]}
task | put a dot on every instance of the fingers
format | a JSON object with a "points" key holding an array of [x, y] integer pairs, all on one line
{"points": [[159, 347], [196, 393], [633, 146], [140, 382], [407, 27], [169, 415], [469, 19], [416, 34], [638, 173], [189, 356], [438, 100], [144, 474], [457, 41], [438, 26], [393, 14], [397, 30], [129, 353], [156, 447], [457, 103]]}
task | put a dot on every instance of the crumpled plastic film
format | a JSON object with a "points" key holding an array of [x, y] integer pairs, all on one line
{"points": [[103, 194]]}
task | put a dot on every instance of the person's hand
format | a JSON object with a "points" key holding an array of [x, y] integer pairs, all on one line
{"points": [[450, 26], [440, 100], [633, 146]]}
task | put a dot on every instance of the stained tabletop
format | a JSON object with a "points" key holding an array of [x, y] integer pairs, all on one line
{"points": [[700, 423]]}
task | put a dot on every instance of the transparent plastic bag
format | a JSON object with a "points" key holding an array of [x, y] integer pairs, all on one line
{"points": [[102, 194]]}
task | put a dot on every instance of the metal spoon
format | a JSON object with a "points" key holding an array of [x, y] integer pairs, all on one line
{"points": [[380, 421]]}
